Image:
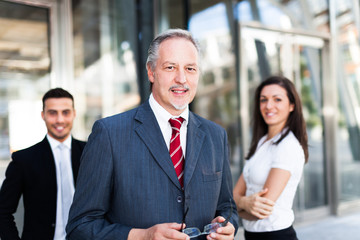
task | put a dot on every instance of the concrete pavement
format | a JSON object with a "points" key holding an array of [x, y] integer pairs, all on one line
{"points": [[345, 227]]}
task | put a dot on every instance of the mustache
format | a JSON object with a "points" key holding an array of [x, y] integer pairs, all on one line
{"points": [[185, 86]]}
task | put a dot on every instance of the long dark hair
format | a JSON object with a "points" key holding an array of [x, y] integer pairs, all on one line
{"points": [[294, 123]]}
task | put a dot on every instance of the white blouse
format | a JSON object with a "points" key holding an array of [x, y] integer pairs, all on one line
{"points": [[287, 155]]}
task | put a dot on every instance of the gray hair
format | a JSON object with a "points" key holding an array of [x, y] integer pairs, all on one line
{"points": [[153, 52]]}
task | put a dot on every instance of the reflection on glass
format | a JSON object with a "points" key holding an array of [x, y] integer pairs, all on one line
{"points": [[312, 15], [314, 181], [171, 14], [24, 75], [217, 98], [243, 9], [268, 10], [104, 56], [349, 102]]}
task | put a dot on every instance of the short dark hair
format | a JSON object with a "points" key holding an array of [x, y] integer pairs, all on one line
{"points": [[56, 93], [295, 121]]}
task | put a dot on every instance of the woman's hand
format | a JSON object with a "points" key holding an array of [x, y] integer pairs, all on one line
{"points": [[252, 207], [257, 205]]}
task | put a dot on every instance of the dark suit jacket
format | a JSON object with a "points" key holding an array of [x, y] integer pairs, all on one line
{"points": [[127, 179], [32, 173]]}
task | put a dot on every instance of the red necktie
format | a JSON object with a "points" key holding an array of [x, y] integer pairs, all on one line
{"points": [[176, 153]]}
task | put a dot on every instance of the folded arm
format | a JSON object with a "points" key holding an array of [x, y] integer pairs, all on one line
{"points": [[260, 204]]}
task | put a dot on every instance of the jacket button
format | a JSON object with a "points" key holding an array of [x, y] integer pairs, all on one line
{"points": [[179, 199], [53, 225]]}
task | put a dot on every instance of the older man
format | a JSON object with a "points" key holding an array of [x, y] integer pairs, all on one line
{"points": [[146, 171]]}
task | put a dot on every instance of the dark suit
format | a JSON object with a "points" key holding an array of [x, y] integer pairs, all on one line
{"points": [[127, 179], [32, 173]]}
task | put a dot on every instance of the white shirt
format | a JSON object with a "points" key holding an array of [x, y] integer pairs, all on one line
{"points": [[163, 116], [60, 233], [287, 155]]}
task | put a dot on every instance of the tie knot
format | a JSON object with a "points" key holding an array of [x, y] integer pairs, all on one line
{"points": [[176, 123], [62, 146]]}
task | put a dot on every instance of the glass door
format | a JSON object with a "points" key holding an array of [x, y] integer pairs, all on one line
{"points": [[24, 77], [24, 74], [299, 57]]}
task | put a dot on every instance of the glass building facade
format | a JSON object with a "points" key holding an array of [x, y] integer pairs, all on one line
{"points": [[97, 50]]}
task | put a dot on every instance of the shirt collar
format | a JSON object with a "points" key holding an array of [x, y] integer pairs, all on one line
{"points": [[278, 136], [163, 115], [55, 143]]}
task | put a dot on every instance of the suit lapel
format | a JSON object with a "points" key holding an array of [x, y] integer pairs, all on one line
{"points": [[194, 140], [48, 166], [149, 132], [48, 158], [75, 158]]}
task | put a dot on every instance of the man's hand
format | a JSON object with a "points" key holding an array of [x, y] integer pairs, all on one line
{"points": [[259, 206], [225, 233], [162, 231]]}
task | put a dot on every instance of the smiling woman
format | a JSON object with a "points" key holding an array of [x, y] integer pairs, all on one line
{"points": [[275, 108], [265, 191]]}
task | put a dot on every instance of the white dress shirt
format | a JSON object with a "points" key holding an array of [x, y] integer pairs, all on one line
{"points": [[287, 155], [163, 116], [60, 233]]}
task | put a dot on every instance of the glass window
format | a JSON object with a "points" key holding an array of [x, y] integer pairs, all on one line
{"points": [[170, 14], [309, 86], [312, 15], [348, 135], [24, 75], [217, 97], [243, 10], [105, 49], [267, 11], [263, 11]]}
